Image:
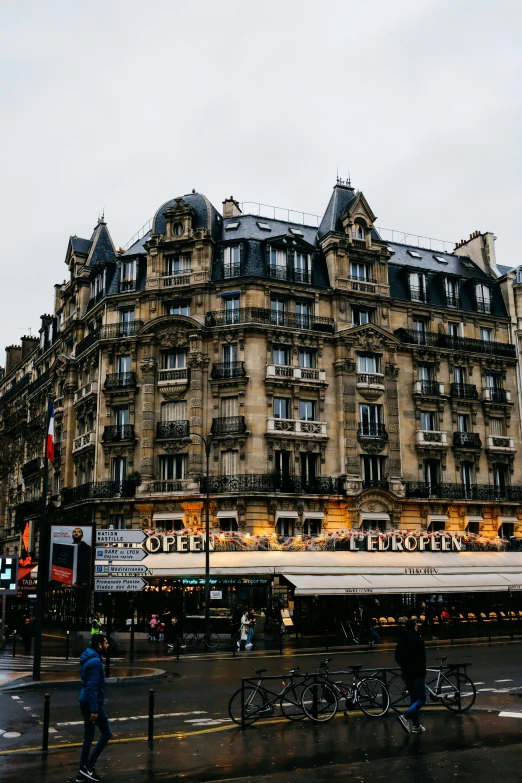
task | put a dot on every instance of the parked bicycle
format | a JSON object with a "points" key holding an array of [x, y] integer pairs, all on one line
{"points": [[256, 700], [321, 698], [196, 638], [448, 686]]}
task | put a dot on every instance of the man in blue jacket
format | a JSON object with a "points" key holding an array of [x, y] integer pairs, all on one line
{"points": [[92, 696]]}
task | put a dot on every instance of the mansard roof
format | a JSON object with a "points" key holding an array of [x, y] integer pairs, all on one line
{"points": [[102, 248], [249, 228], [80, 246], [206, 215]]}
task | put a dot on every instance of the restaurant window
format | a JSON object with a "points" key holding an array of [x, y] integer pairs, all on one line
{"points": [[506, 530], [312, 527], [228, 524], [436, 525], [474, 527], [375, 524], [285, 526], [281, 408]]}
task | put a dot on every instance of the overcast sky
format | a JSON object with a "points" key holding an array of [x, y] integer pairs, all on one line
{"points": [[123, 105]]}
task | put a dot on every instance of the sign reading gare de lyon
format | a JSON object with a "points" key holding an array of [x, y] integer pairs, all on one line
{"points": [[441, 542]]}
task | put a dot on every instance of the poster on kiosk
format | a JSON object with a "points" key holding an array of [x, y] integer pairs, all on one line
{"points": [[70, 559]]}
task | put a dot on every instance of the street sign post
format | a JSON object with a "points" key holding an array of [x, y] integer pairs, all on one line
{"points": [[120, 553], [119, 584], [117, 570], [110, 536]]}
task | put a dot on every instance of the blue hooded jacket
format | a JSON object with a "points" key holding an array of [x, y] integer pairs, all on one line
{"points": [[93, 679]]}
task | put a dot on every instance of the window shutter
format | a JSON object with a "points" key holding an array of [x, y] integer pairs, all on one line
{"points": [[229, 406]]}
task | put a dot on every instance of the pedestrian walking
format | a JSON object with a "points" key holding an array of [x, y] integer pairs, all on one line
{"points": [[92, 696], [27, 634], [251, 629], [153, 629], [243, 630], [365, 621], [161, 631], [410, 654], [96, 625], [429, 619]]}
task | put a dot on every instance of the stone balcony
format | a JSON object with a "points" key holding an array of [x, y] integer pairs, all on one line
{"points": [[431, 438], [296, 427], [370, 384], [500, 443], [428, 388], [497, 396], [178, 375], [295, 373], [171, 486], [83, 442], [89, 389]]}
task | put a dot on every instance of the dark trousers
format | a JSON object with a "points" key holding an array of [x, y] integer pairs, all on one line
{"points": [[88, 735], [417, 689], [27, 646], [372, 633]]}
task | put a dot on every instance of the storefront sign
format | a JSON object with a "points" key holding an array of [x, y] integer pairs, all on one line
{"points": [[410, 543], [172, 542], [216, 595]]}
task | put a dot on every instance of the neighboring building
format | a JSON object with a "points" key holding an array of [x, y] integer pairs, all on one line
{"points": [[349, 382]]}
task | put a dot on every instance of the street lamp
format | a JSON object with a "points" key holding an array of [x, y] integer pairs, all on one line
{"points": [[207, 443]]}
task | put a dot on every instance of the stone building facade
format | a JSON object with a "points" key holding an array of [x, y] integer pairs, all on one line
{"points": [[346, 381]]}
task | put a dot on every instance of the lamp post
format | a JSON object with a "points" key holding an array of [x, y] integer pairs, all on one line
{"points": [[207, 443]]}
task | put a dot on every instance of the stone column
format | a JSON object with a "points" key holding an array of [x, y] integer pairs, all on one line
{"points": [[148, 366]]}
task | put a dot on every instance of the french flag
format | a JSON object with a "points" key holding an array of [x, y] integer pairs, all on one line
{"points": [[49, 446]]}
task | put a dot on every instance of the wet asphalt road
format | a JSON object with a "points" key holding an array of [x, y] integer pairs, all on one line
{"points": [[193, 701]]}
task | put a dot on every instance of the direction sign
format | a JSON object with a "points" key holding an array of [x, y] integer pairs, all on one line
{"points": [[120, 553], [119, 584], [108, 536], [8, 575], [116, 570]]}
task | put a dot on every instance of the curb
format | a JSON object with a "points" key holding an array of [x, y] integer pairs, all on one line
{"points": [[154, 676]]}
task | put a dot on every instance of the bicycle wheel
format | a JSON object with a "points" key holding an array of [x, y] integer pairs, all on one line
{"points": [[256, 706], [191, 640], [291, 703], [212, 640], [399, 696], [457, 692], [372, 697], [319, 702]]}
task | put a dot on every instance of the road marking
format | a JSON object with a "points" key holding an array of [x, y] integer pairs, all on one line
{"points": [[16, 698], [510, 714], [11, 734], [2, 731], [483, 690], [140, 717], [209, 721], [480, 683], [503, 680]]}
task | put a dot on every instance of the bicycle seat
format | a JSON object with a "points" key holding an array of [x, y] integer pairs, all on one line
{"points": [[297, 670], [259, 671], [355, 668], [442, 658]]}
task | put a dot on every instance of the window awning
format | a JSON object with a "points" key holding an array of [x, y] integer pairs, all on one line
{"points": [[306, 584]]}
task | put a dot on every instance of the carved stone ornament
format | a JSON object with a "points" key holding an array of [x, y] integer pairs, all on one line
{"points": [[148, 365], [171, 337], [373, 447]]}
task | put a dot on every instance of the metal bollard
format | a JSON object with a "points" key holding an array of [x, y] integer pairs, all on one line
{"points": [[67, 646], [280, 642], [45, 738], [177, 648], [326, 639], [14, 643], [151, 718]]}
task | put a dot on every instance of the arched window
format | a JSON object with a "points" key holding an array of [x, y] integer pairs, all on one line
{"points": [[358, 231]]}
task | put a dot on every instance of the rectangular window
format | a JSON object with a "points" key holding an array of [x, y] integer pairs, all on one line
{"points": [[121, 416], [229, 407], [119, 469], [451, 292], [368, 362], [172, 466], [373, 471], [280, 355], [500, 476], [426, 372], [459, 375], [231, 305], [277, 311], [466, 474], [463, 422], [307, 410], [229, 463], [420, 328], [174, 360], [117, 521], [174, 411], [277, 257], [486, 334], [128, 271], [301, 269], [431, 472], [493, 380], [361, 316], [455, 329], [483, 298], [302, 315], [123, 364], [497, 426], [282, 463], [281, 408], [232, 261], [178, 308], [230, 353], [177, 265], [361, 272], [306, 358], [418, 286], [308, 471], [427, 421], [127, 322], [370, 419]]}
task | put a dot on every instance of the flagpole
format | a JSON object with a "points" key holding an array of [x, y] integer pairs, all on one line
{"points": [[43, 554]]}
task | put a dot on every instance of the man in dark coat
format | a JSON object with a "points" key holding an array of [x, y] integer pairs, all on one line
{"points": [[410, 654], [92, 696], [364, 618]]}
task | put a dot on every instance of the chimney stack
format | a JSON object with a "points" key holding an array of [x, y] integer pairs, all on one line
{"points": [[231, 208], [481, 249], [13, 357], [28, 345]]}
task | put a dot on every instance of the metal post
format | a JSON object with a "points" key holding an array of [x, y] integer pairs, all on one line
{"points": [[14, 642], [67, 646], [4, 638], [207, 539], [280, 641], [151, 718], [109, 633], [314, 697], [131, 654], [510, 618], [177, 647], [326, 640], [242, 703], [43, 558], [45, 738]]}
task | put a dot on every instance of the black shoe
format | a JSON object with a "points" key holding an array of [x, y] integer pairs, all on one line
{"points": [[90, 774]]}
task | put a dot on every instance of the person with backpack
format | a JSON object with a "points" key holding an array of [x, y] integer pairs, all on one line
{"points": [[410, 654], [92, 696]]}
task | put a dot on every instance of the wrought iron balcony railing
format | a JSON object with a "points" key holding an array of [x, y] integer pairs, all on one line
{"points": [[120, 380], [16, 389], [228, 425], [418, 294], [483, 305], [32, 467], [223, 370], [114, 433], [429, 388], [172, 429], [496, 395], [482, 492], [289, 273], [231, 270], [127, 285], [38, 383], [464, 391], [467, 440], [87, 342], [451, 300], [171, 485], [114, 331], [374, 431], [267, 316], [98, 489], [376, 484], [273, 482], [28, 508], [465, 344], [177, 375]]}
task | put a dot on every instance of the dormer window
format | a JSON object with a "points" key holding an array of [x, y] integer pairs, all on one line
{"points": [[301, 268], [98, 285], [177, 265], [178, 229], [483, 298], [451, 292], [232, 261], [278, 264], [361, 272], [418, 286], [128, 275], [358, 231]]}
